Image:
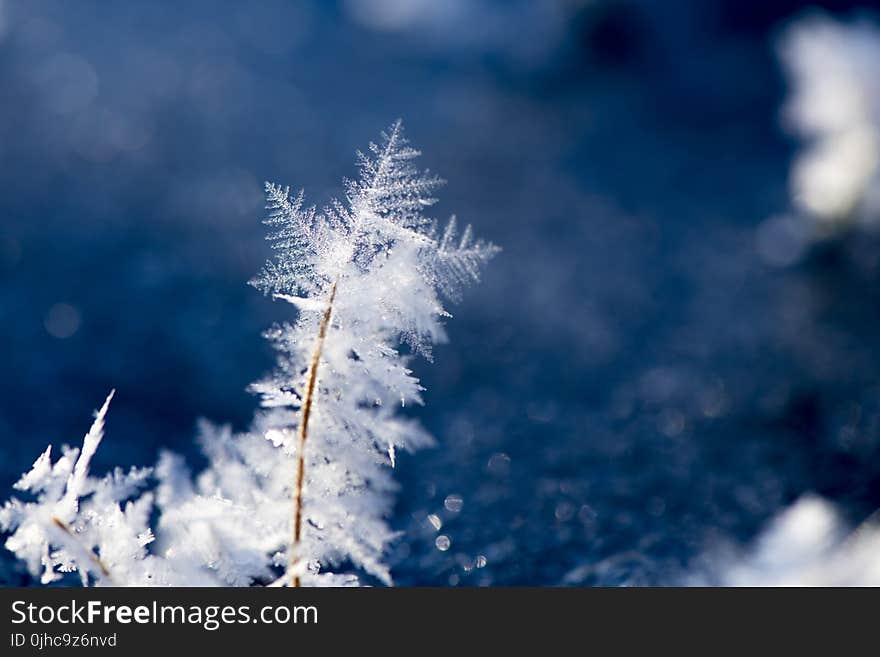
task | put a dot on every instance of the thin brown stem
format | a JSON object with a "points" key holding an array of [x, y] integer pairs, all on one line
{"points": [[303, 434], [96, 560]]}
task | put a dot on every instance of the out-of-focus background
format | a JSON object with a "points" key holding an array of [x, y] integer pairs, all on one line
{"points": [[680, 339]]}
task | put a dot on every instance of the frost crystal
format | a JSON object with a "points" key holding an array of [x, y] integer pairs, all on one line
{"points": [[96, 527], [365, 275], [306, 491]]}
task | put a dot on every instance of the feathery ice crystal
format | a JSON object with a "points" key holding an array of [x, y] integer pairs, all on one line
{"points": [[306, 490]]}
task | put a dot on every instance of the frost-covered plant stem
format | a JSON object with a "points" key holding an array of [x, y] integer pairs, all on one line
{"points": [[94, 558], [304, 433], [365, 275]]}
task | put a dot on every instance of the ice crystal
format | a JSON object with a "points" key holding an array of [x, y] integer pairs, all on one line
{"points": [[303, 495]]}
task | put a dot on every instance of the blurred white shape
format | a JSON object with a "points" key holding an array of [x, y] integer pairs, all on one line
{"points": [[831, 178], [808, 545], [62, 321], [834, 71], [68, 82]]}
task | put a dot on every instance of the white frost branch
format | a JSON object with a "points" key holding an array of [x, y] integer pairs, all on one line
{"points": [[306, 492]]}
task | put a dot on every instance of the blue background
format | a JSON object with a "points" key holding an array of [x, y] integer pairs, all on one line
{"points": [[630, 382]]}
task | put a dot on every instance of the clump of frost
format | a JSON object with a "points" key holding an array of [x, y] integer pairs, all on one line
{"points": [[834, 106], [75, 522], [808, 544], [365, 276]]}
